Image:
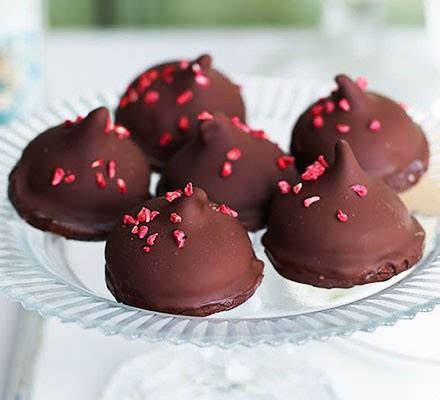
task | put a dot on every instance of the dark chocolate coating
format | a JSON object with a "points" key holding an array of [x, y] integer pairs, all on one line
{"points": [[252, 183], [311, 245], [397, 151], [149, 122], [215, 270], [81, 209]]}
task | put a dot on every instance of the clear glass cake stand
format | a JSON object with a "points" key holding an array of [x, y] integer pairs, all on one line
{"points": [[65, 278]]}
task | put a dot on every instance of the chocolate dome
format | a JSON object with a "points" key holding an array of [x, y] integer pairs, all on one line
{"points": [[160, 107], [181, 254], [386, 142], [342, 229], [234, 164], [76, 178]]}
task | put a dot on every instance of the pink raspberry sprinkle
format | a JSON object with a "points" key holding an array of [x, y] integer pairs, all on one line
{"points": [[154, 214], [184, 97], [224, 209], [241, 125], [183, 64], [144, 215], [152, 74], [127, 219], [317, 109], [152, 239], [323, 161], [205, 116], [108, 125], [313, 171], [183, 123], [111, 169], [360, 190], [297, 188], [318, 121], [344, 104], [188, 190], [374, 125], [121, 185], [132, 95], [341, 216], [175, 218], [79, 118], [258, 134], [226, 169], [171, 196], [234, 154], [122, 132], [151, 97], [362, 83], [143, 230], [310, 200], [343, 128], [143, 83], [97, 163], [69, 178], [179, 237], [284, 162], [202, 80], [100, 180], [135, 230], [123, 102], [58, 176], [329, 106], [165, 139], [146, 249], [284, 187], [68, 123]]}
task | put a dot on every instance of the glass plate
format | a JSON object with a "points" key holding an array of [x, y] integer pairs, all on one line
{"points": [[65, 278]]}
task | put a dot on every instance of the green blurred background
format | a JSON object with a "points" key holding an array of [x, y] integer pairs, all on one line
{"points": [[210, 13]]}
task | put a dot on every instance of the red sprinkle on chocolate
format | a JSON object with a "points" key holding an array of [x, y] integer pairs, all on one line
{"points": [[175, 218], [183, 123], [343, 128], [183, 64], [108, 125], [152, 74], [313, 171], [341, 216], [329, 106], [100, 180], [226, 169], [151, 97], [154, 214], [143, 230], [323, 161], [143, 83], [179, 237], [224, 209], [68, 123], [188, 190], [362, 83], [171, 196], [318, 121], [258, 134], [310, 200], [374, 125], [123, 102], [120, 184], [58, 176], [317, 109], [146, 249], [151, 239], [297, 188], [144, 215], [135, 230], [111, 169], [127, 219], [184, 97], [205, 116], [165, 139], [344, 104], [202, 80], [121, 131], [167, 73], [79, 118], [69, 178], [284, 162], [284, 187], [97, 163], [241, 125], [132, 95], [234, 154], [360, 190]]}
